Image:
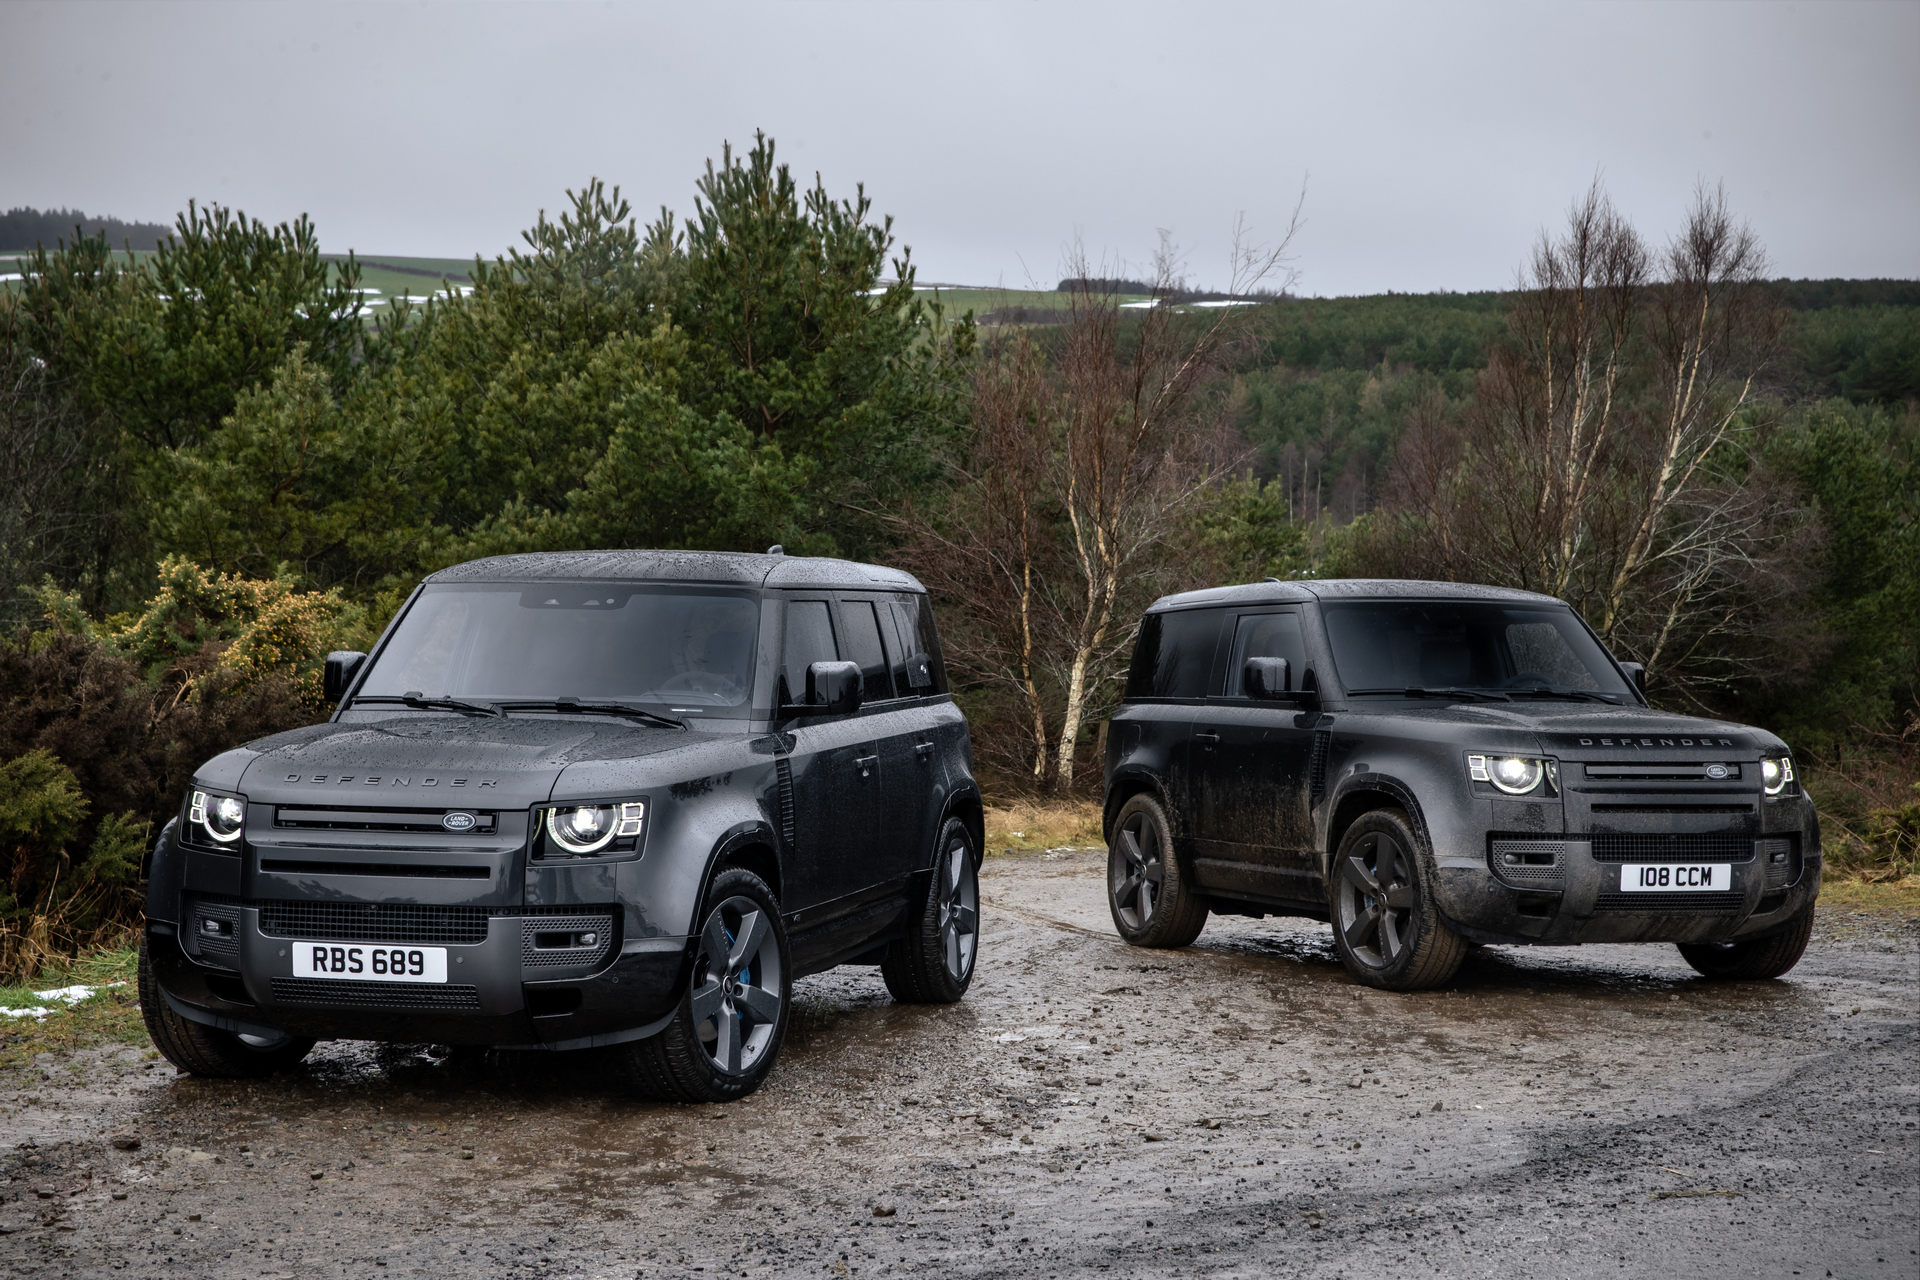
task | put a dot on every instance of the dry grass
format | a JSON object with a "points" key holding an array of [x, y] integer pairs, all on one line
{"points": [[1894, 898], [1043, 824], [110, 1016]]}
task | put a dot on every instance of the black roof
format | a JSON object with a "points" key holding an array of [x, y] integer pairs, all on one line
{"points": [[728, 567], [1345, 589]]}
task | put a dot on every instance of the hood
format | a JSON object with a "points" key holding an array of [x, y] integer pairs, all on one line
{"points": [[1593, 731], [431, 760]]}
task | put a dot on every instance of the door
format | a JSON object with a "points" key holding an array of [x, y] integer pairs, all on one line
{"points": [[837, 782], [1251, 823], [890, 723]]}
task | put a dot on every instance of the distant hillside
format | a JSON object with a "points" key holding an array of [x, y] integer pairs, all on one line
{"points": [[23, 228]]}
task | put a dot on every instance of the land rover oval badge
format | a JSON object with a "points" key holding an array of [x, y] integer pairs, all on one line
{"points": [[458, 822], [1716, 771]]}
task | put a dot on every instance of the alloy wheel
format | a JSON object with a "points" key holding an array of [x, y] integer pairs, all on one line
{"points": [[1376, 900], [959, 911], [1136, 875], [736, 986]]}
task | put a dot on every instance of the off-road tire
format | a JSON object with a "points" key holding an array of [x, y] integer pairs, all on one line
{"points": [[200, 1050], [920, 968], [1424, 951], [1755, 960], [1178, 911], [674, 1065]]}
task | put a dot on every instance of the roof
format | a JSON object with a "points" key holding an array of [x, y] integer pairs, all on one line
{"points": [[727, 567], [1303, 589]]}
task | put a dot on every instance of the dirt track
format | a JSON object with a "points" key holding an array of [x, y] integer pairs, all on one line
{"points": [[1238, 1108]]}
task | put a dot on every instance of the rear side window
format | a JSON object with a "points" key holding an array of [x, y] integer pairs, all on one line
{"points": [[918, 671], [1173, 657], [864, 647], [1266, 635], [809, 640]]}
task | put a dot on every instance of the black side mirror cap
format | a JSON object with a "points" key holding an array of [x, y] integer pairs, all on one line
{"points": [[1266, 678], [342, 666], [833, 689], [1636, 672]]}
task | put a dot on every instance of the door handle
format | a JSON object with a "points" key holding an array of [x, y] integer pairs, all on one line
{"points": [[1207, 738], [865, 764], [924, 750]]}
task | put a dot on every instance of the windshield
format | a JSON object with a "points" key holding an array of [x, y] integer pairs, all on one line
{"points": [[1514, 649], [685, 649]]}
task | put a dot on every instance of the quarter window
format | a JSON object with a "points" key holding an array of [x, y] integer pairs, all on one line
{"points": [[1173, 657]]}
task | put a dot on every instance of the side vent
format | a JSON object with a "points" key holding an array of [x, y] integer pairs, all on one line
{"points": [[1317, 765], [783, 799]]}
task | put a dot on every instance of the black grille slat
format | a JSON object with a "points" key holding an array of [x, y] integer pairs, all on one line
{"points": [[1317, 766], [376, 995], [375, 922], [288, 817], [1718, 846], [1699, 903], [783, 773]]}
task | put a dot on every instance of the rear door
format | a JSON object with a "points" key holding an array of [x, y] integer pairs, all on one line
{"points": [[890, 725], [1252, 828]]}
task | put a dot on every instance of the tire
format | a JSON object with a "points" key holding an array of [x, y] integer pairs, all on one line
{"points": [[1755, 960], [727, 1030], [934, 963], [200, 1050], [1153, 902], [1385, 926]]}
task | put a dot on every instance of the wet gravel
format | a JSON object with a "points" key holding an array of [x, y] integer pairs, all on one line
{"points": [[1234, 1109]]}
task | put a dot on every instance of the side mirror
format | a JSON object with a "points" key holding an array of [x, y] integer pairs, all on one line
{"points": [[1636, 672], [833, 689], [1266, 678], [342, 666]]}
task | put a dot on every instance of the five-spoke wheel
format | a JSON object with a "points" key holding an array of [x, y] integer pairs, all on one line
{"points": [[1152, 902], [933, 964], [738, 992], [1384, 923]]}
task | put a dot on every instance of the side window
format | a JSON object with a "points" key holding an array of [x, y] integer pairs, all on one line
{"points": [[809, 640], [1265, 635], [916, 653], [1173, 657], [864, 647]]}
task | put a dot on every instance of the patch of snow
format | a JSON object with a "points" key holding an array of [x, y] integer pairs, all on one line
{"points": [[24, 1013]]}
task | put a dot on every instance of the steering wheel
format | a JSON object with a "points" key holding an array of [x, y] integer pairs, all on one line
{"points": [[1526, 679], [708, 684]]}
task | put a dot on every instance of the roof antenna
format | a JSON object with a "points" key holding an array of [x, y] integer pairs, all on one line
{"points": [[1273, 579], [776, 550]]}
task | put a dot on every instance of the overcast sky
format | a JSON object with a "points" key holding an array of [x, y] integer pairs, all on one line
{"points": [[1435, 140]]}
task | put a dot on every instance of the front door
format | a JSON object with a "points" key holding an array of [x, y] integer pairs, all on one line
{"points": [[1252, 825]]}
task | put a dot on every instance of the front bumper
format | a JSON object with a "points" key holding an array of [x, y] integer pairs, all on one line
{"points": [[1584, 901], [501, 989]]}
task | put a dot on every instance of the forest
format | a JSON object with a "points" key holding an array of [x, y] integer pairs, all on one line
{"points": [[221, 466]]}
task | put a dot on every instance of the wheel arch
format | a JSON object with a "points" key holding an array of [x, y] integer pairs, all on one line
{"points": [[751, 847], [1124, 787], [1373, 791], [966, 805]]}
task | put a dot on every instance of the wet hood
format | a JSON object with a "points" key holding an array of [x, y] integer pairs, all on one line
{"points": [[1589, 730], [432, 759]]}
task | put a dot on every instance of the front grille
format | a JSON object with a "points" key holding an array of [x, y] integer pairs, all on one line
{"points": [[1528, 863], [549, 941], [375, 922], [1719, 846], [375, 995], [1638, 771], [1701, 903], [434, 820]]}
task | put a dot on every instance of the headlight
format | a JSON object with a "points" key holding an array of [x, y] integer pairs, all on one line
{"points": [[1515, 775], [221, 817], [589, 828], [1775, 774]]}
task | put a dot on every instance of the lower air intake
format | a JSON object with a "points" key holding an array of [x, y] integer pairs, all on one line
{"points": [[374, 995]]}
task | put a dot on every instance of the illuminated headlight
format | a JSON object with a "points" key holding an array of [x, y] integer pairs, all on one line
{"points": [[221, 817], [1775, 774], [589, 828], [1515, 775]]}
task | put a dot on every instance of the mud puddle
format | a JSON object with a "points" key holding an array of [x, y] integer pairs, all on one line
{"points": [[1232, 1109]]}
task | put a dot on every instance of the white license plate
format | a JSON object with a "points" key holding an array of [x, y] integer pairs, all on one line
{"points": [[369, 962], [1669, 877]]}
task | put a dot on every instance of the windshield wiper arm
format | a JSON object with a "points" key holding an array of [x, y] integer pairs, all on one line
{"points": [[1416, 691], [1579, 695], [598, 709], [420, 701]]}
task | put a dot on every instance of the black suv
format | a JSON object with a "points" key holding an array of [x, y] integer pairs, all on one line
{"points": [[617, 798], [1428, 765]]}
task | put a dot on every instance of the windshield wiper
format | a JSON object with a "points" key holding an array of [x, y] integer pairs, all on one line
{"points": [[420, 701], [598, 709], [1578, 695], [1416, 691]]}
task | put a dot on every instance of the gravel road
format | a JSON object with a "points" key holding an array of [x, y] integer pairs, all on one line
{"points": [[1234, 1109]]}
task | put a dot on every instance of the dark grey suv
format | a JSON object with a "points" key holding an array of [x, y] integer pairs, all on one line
{"points": [[615, 798], [1427, 765]]}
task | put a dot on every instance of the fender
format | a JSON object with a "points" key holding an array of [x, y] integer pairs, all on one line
{"points": [[955, 799], [1118, 782], [1401, 793]]}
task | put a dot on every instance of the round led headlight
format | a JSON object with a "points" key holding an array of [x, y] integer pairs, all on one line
{"points": [[221, 817], [1775, 774], [1515, 775], [585, 828]]}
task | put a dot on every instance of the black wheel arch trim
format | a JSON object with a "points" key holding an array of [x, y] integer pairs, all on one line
{"points": [[1127, 783], [973, 818], [1400, 792]]}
